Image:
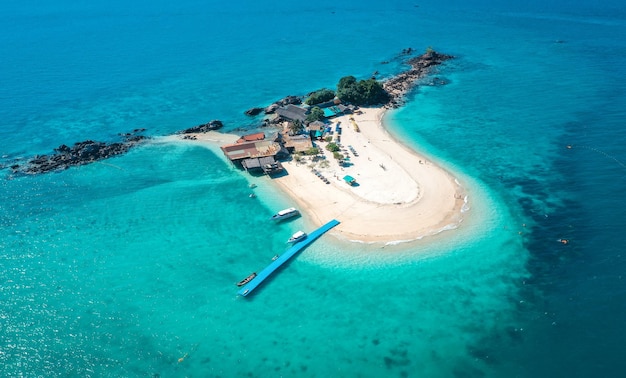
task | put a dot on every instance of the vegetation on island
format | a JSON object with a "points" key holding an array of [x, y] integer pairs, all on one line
{"points": [[332, 147], [362, 92], [316, 114], [295, 127], [312, 151], [320, 96]]}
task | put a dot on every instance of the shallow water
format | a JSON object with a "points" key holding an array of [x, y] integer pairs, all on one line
{"points": [[127, 267]]}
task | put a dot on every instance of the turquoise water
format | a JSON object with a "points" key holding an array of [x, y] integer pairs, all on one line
{"points": [[127, 267]]}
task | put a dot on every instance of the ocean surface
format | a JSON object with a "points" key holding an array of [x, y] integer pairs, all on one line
{"points": [[126, 267]]}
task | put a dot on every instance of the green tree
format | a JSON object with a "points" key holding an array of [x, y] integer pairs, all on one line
{"points": [[347, 90], [373, 92], [345, 82], [312, 151], [316, 114], [320, 96], [296, 127], [363, 92], [332, 147]]}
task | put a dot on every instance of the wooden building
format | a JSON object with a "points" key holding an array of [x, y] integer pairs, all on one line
{"points": [[292, 113], [298, 143], [251, 137], [252, 153]]}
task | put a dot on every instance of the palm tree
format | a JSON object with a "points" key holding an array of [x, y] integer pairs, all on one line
{"points": [[296, 127]]}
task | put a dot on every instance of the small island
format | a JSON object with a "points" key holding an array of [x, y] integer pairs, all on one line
{"points": [[330, 153]]}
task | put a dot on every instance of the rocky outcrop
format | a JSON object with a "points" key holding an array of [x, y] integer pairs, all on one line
{"points": [[295, 100], [80, 153], [272, 108], [89, 151], [398, 86], [209, 126], [289, 100], [253, 112]]}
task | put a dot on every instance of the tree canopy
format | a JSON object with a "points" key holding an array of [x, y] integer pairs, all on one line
{"points": [[362, 92], [296, 127], [320, 96], [312, 151], [316, 114], [332, 147]]}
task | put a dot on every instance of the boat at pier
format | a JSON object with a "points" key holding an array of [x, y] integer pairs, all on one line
{"points": [[285, 214], [299, 235], [246, 280], [280, 260]]}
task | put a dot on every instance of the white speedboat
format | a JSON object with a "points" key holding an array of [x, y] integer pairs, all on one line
{"points": [[285, 214], [298, 236]]}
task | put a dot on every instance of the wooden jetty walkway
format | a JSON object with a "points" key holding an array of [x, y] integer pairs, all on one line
{"points": [[265, 273]]}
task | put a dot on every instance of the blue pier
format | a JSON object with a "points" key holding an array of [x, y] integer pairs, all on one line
{"points": [[265, 273]]}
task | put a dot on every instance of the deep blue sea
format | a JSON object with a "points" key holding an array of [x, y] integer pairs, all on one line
{"points": [[126, 267]]}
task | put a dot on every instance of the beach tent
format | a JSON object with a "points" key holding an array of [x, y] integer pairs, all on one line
{"points": [[349, 179]]}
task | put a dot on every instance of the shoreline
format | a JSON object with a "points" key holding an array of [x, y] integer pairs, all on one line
{"points": [[400, 196], [408, 199], [89, 151]]}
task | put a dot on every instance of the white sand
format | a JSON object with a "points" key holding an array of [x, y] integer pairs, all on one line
{"points": [[406, 200]]}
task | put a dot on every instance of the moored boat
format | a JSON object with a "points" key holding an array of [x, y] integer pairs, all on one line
{"points": [[285, 214], [246, 280], [298, 236]]}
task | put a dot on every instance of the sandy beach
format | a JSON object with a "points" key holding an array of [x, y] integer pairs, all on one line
{"points": [[399, 196]]}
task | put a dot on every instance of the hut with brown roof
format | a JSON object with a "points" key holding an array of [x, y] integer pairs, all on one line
{"points": [[256, 154], [292, 113], [316, 129], [298, 143], [251, 137]]}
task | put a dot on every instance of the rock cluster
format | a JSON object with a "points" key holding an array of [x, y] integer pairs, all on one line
{"points": [[253, 111], [211, 125], [399, 85], [80, 153], [295, 100], [90, 151]]}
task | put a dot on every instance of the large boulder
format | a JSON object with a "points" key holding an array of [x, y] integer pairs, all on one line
{"points": [[211, 125], [253, 111], [272, 108], [289, 100]]}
